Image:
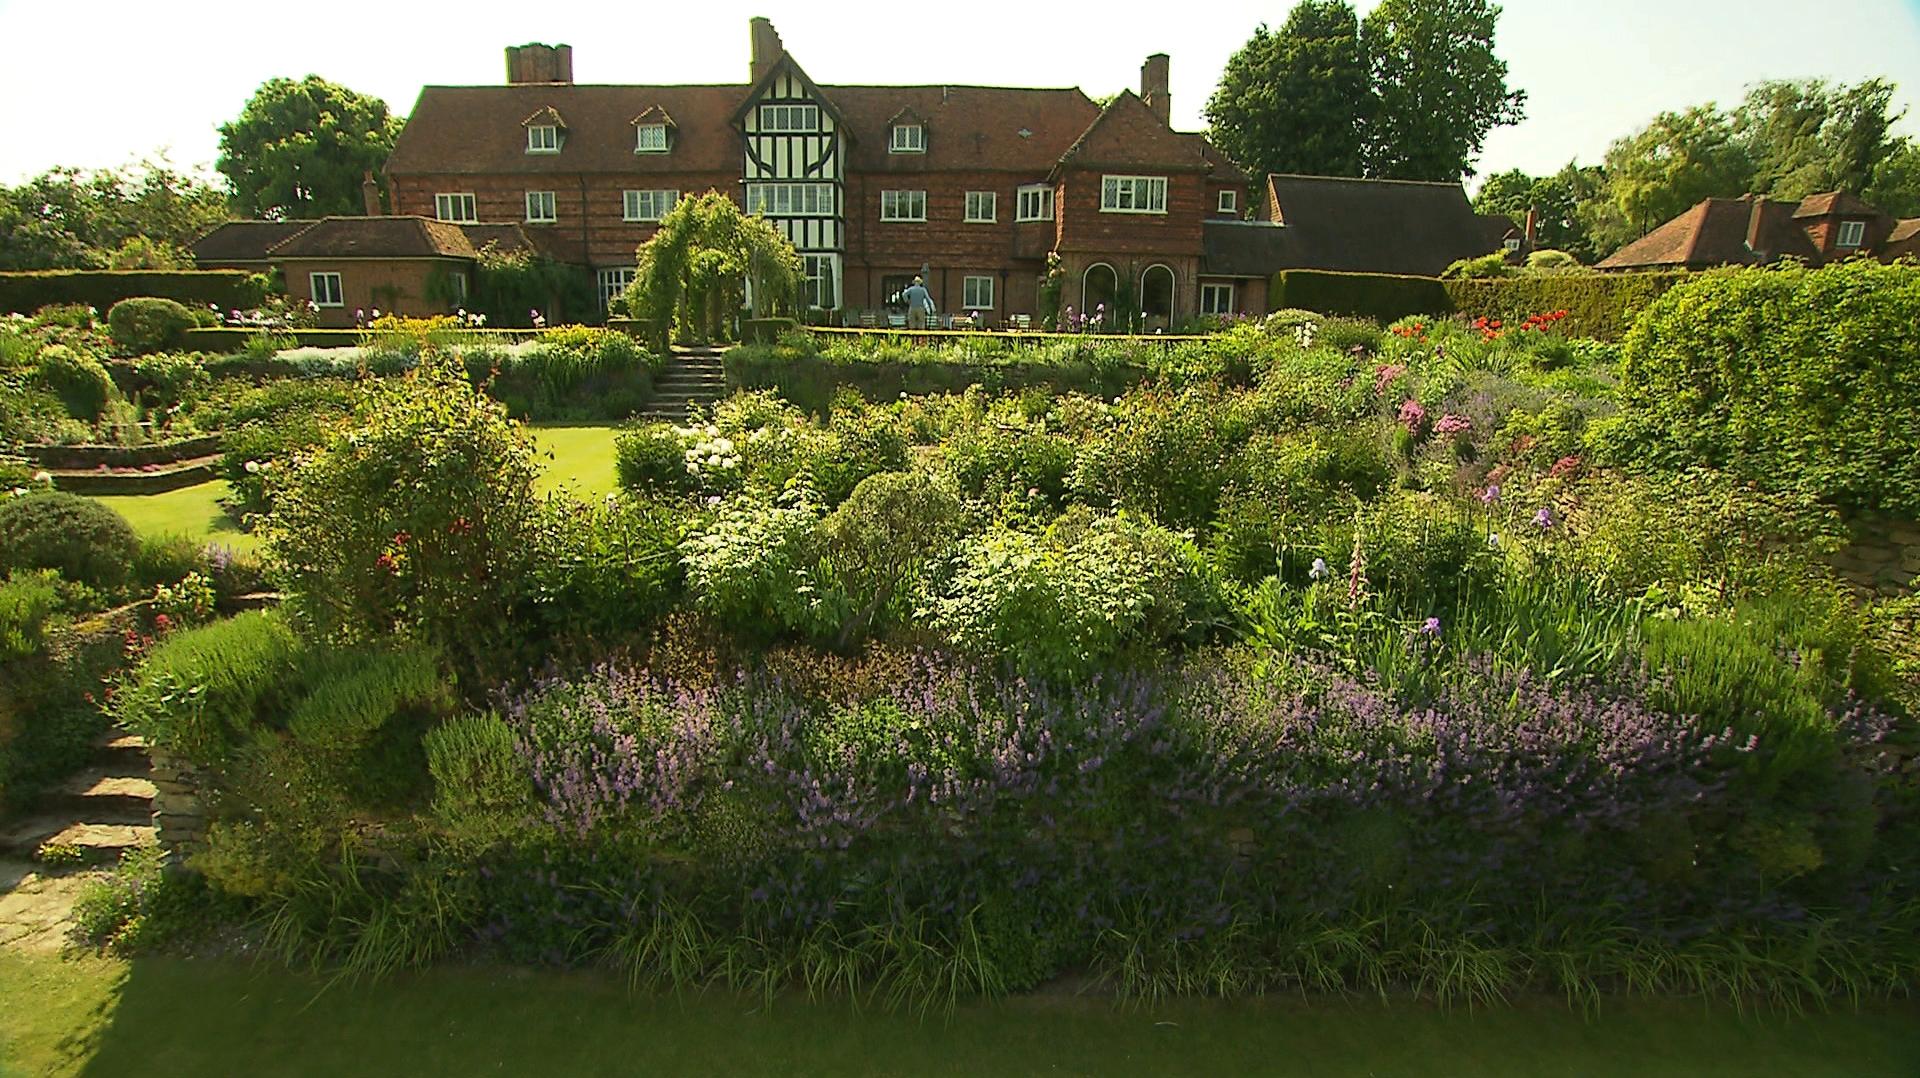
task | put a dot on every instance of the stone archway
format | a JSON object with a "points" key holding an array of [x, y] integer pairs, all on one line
{"points": [[1098, 288]]}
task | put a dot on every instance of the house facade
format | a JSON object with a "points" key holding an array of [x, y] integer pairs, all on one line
{"points": [[1755, 230], [970, 187]]}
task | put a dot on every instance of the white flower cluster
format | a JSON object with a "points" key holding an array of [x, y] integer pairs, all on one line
{"points": [[707, 448]]}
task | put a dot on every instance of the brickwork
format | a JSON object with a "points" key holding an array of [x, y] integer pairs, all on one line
{"points": [[590, 209], [390, 284]]}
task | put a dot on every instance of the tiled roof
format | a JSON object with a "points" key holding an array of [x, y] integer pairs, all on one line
{"points": [[244, 241], [1832, 203], [1714, 233], [1127, 132], [377, 237], [1903, 241], [1374, 226], [1242, 248], [968, 127], [476, 129]]}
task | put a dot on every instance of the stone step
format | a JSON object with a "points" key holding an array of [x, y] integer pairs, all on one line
{"points": [[98, 843], [101, 795], [124, 754]]}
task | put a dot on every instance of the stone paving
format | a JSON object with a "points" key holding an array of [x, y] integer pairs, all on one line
{"points": [[36, 904]]}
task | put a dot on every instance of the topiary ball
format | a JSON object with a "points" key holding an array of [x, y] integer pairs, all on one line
{"points": [[80, 538]]}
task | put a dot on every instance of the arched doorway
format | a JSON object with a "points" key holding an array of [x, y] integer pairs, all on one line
{"points": [[1156, 296], [1097, 291]]}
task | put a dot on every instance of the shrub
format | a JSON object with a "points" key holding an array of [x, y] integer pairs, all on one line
{"points": [[1599, 305], [80, 538], [169, 379], [480, 784], [1379, 296], [27, 602], [148, 324], [755, 567], [652, 460], [353, 694], [606, 568], [1162, 455], [1548, 260], [1790, 377], [101, 289], [139, 906], [880, 539], [1484, 267], [1073, 597], [78, 379], [414, 518], [69, 315], [199, 692]]}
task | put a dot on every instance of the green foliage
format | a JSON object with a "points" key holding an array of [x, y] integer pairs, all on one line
{"points": [[169, 379], [78, 379], [200, 691], [1485, 267], [1296, 100], [28, 601], [480, 786], [607, 569], [82, 539], [300, 149], [1438, 87], [73, 218], [353, 695], [1076, 595], [652, 460], [508, 286], [1554, 201], [756, 568], [414, 518], [881, 539], [228, 289], [147, 324], [1792, 378], [1161, 455], [1380, 296], [694, 269], [140, 906], [1598, 305]]}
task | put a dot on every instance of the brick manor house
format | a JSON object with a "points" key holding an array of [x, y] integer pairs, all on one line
{"points": [[971, 187]]}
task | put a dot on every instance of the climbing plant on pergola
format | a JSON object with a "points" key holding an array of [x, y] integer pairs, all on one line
{"points": [[704, 263]]}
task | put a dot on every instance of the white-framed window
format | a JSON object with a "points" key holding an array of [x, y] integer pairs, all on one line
{"points": [[1034, 202], [907, 138], [1229, 202], [783, 119], [540, 207], [650, 138], [325, 289], [647, 205], [543, 138], [903, 205], [1512, 244], [1852, 234], [819, 273], [455, 207], [1133, 194], [976, 293], [1216, 299], [792, 199], [983, 206], [613, 283]]}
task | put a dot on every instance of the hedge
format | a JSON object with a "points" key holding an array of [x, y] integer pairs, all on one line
{"points": [[1383, 297], [1598, 305], [809, 381], [233, 338], [24, 293]]}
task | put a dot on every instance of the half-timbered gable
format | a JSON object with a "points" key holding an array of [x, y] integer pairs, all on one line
{"points": [[793, 154]]}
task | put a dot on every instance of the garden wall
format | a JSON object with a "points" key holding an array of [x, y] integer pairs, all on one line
{"points": [[24, 293], [1884, 556]]}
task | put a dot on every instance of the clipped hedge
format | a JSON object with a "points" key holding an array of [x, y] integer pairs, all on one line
{"points": [[1598, 305], [809, 381], [27, 292], [1383, 297]]}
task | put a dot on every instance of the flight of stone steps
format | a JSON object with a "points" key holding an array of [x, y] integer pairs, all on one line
{"points": [[101, 811], [694, 377]]}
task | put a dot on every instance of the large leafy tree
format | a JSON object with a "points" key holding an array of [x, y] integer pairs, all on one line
{"points": [[1672, 163], [1554, 200], [1806, 137], [1295, 100], [1437, 85], [301, 149], [696, 270], [137, 216]]}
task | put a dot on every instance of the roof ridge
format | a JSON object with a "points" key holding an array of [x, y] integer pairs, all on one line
{"points": [[1359, 179]]}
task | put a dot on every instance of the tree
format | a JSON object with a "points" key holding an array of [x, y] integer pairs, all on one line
{"points": [[1671, 164], [67, 218], [301, 149], [696, 270], [1554, 200], [1295, 101], [1807, 137], [1895, 187], [1438, 87]]}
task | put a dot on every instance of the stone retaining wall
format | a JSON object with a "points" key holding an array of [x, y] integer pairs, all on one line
{"points": [[1884, 556], [178, 812]]}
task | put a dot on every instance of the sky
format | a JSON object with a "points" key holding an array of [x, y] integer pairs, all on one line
{"points": [[154, 78]]}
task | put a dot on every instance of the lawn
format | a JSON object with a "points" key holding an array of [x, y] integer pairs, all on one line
{"points": [[579, 459], [166, 1016]]}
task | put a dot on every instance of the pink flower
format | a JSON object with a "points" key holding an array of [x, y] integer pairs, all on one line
{"points": [[1453, 424], [1384, 377], [1412, 415]]}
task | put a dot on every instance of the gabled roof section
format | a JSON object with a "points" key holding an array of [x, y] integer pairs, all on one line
{"points": [[907, 115], [654, 114], [786, 63], [377, 237], [991, 128], [1835, 204], [1720, 232], [245, 241], [456, 131], [545, 115], [1128, 134], [1375, 226]]}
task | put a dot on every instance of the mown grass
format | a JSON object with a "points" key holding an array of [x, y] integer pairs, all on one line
{"points": [[581, 461], [166, 1016]]}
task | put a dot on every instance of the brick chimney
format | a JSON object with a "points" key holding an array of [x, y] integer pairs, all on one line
{"points": [[1530, 238], [370, 194], [538, 63], [1757, 225], [767, 49], [1153, 87]]}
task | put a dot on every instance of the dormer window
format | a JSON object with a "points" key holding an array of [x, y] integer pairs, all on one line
{"points": [[650, 138], [1512, 244], [1229, 202], [908, 138], [543, 138], [1852, 234]]}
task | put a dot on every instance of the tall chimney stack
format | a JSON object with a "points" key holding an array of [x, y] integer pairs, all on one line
{"points": [[538, 63], [370, 194], [1757, 225], [767, 49], [1153, 87]]}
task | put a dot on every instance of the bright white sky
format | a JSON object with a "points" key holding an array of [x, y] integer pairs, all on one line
{"points": [[110, 82]]}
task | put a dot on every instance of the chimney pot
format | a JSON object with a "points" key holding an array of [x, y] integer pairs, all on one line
{"points": [[1153, 86], [370, 194]]}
